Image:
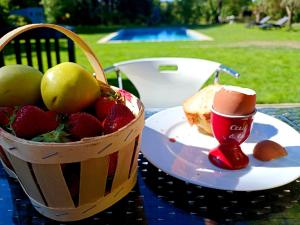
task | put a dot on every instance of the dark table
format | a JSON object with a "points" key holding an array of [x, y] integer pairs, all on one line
{"points": [[161, 199]]}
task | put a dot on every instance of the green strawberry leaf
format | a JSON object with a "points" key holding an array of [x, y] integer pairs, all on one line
{"points": [[58, 135], [12, 118]]}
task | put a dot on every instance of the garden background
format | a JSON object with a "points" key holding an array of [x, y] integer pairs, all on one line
{"points": [[267, 59]]}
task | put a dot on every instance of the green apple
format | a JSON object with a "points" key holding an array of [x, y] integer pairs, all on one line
{"points": [[68, 87], [19, 85]]}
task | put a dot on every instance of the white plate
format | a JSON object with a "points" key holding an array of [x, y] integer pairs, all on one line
{"points": [[172, 145]]}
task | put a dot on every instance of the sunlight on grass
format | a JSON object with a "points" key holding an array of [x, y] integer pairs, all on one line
{"points": [[268, 60]]}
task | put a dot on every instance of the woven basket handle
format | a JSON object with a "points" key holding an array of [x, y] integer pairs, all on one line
{"points": [[86, 49]]}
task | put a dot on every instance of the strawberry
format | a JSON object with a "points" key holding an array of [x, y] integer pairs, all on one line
{"points": [[83, 124], [49, 122], [103, 106], [118, 117], [31, 121], [5, 113]]}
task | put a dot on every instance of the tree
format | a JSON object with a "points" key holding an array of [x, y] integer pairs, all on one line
{"points": [[290, 7], [132, 11], [235, 7], [219, 11], [57, 11], [188, 11], [267, 7], [3, 13], [215, 9], [17, 4], [77, 12], [167, 12], [6, 6]]}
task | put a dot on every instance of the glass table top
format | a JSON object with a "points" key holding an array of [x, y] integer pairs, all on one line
{"points": [[158, 198]]}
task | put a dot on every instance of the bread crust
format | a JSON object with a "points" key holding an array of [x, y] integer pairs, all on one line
{"points": [[197, 108], [201, 121]]}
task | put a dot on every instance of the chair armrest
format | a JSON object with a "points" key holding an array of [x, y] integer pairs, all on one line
{"points": [[109, 69], [227, 70], [119, 77]]}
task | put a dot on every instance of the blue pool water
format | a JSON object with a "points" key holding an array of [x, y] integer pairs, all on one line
{"points": [[154, 34]]}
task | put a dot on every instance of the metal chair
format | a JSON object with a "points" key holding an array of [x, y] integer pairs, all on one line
{"points": [[167, 82], [37, 43]]}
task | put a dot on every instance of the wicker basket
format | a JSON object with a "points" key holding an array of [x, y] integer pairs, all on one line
{"points": [[39, 166]]}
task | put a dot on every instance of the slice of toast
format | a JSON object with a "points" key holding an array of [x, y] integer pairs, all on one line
{"points": [[197, 108]]}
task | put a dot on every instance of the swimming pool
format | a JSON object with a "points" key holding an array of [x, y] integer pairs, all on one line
{"points": [[154, 34]]}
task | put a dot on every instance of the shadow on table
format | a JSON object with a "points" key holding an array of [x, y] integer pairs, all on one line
{"points": [[128, 211], [195, 203], [159, 199]]}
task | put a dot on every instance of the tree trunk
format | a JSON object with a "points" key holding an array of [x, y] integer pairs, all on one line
{"points": [[213, 14], [219, 11], [257, 17], [289, 12]]}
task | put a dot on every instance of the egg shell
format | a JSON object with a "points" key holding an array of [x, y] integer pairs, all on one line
{"points": [[234, 100], [267, 150]]}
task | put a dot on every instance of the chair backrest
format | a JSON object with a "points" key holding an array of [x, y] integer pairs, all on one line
{"points": [[281, 21], [265, 19], [35, 43], [167, 82]]}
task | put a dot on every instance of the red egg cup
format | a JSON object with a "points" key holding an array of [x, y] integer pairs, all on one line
{"points": [[230, 131]]}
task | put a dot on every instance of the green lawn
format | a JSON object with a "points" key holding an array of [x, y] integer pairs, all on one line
{"points": [[268, 60]]}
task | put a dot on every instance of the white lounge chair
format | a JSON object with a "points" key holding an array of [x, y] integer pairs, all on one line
{"points": [[264, 20], [278, 24]]}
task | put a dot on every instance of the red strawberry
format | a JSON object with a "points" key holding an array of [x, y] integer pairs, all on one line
{"points": [[83, 124], [118, 117], [103, 106], [48, 122], [5, 113], [31, 121]]}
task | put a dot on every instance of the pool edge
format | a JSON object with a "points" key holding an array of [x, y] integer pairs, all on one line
{"points": [[199, 37]]}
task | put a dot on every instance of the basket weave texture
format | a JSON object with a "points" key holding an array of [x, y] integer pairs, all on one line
{"points": [[39, 166]]}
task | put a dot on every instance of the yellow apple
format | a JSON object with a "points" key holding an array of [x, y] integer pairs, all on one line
{"points": [[68, 87], [19, 85]]}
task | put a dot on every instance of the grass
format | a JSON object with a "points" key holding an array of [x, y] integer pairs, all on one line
{"points": [[268, 60]]}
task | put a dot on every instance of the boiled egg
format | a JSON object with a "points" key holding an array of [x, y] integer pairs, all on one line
{"points": [[234, 100]]}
